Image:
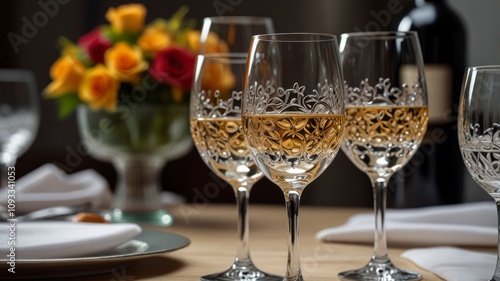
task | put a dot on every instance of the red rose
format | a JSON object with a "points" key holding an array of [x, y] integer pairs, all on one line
{"points": [[94, 44], [174, 66]]}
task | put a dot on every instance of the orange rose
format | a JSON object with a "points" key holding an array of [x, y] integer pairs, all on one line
{"points": [[66, 73], [125, 62], [127, 18], [153, 40], [217, 77], [213, 44], [99, 89]]}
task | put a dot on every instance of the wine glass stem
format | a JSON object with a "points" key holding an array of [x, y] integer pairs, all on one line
{"points": [[496, 277], [380, 239], [293, 271], [243, 253]]}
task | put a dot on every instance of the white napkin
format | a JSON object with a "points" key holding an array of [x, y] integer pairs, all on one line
{"points": [[454, 264], [48, 186], [58, 239], [459, 224]]}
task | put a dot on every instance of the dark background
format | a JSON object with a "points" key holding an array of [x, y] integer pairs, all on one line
{"points": [[341, 185]]}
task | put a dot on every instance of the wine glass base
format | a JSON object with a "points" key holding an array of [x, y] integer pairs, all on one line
{"points": [[248, 273], [380, 272], [159, 217]]}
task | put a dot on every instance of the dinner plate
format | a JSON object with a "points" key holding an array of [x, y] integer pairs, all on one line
{"points": [[149, 243]]}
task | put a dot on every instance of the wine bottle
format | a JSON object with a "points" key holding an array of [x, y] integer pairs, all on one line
{"points": [[434, 176]]}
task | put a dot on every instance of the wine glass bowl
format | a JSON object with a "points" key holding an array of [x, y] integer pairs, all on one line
{"points": [[293, 116], [19, 115], [231, 34], [216, 118], [386, 120], [479, 131], [217, 131]]}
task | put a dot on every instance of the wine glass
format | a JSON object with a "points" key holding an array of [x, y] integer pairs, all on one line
{"points": [[293, 116], [386, 119], [231, 34], [215, 122], [19, 116], [479, 131]]}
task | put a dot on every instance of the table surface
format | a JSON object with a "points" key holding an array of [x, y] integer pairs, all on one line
{"points": [[212, 231]]}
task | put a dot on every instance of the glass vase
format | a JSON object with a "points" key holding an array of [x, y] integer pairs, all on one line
{"points": [[138, 141]]}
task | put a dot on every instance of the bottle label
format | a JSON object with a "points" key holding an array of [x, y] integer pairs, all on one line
{"points": [[438, 79]]}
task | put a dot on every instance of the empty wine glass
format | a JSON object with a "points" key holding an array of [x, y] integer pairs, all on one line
{"points": [[232, 34], [479, 131], [19, 116], [218, 136], [386, 119], [293, 116]]}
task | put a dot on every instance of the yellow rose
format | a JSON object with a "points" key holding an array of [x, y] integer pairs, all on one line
{"points": [[99, 89], [127, 18], [153, 40], [193, 40], [125, 62], [66, 73], [213, 44]]}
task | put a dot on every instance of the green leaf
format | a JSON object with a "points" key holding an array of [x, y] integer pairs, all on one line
{"points": [[67, 104], [129, 37]]}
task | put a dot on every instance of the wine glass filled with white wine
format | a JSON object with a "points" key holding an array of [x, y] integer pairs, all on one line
{"points": [[293, 116], [217, 132], [386, 119]]}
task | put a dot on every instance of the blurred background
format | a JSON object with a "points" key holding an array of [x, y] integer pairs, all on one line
{"points": [[341, 185]]}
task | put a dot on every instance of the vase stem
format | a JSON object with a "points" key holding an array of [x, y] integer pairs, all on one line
{"points": [[138, 187]]}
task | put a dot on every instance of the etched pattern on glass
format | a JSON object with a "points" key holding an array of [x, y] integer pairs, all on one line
{"points": [[384, 94], [269, 99], [217, 104], [218, 135], [481, 153], [293, 133], [384, 125], [381, 139]]}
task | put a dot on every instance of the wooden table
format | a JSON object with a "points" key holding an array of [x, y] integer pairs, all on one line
{"points": [[212, 231]]}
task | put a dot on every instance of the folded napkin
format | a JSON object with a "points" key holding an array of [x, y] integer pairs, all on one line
{"points": [[58, 239], [48, 186], [460, 224], [455, 264]]}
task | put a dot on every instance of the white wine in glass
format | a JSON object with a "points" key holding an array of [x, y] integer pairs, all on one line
{"points": [[293, 116], [217, 131], [386, 120]]}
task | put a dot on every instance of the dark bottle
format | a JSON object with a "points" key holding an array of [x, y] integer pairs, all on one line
{"points": [[435, 175]]}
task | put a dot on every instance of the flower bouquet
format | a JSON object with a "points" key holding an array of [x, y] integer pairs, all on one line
{"points": [[129, 82]]}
